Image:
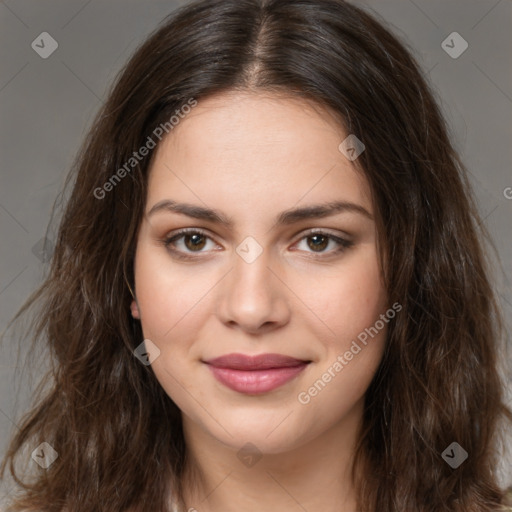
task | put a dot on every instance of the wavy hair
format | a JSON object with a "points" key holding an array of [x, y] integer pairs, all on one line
{"points": [[117, 433]]}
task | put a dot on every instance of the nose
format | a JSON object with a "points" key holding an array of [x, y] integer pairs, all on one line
{"points": [[253, 297]]}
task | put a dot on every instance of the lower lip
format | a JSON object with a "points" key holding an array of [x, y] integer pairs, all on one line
{"points": [[256, 381]]}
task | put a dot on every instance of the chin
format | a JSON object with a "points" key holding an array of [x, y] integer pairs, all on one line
{"points": [[269, 437]]}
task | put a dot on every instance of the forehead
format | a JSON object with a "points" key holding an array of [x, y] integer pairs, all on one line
{"points": [[245, 149]]}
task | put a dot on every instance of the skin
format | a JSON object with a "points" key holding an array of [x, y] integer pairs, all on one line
{"points": [[252, 156]]}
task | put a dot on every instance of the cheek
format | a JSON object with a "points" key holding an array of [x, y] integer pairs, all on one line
{"points": [[165, 296], [169, 304], [350, 300], [351, 309]]}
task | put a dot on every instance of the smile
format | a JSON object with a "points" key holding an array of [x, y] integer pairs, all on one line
{"points": [[255, 374]]}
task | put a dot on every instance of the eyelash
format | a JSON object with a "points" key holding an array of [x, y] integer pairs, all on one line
{"points": [[168, 241]]}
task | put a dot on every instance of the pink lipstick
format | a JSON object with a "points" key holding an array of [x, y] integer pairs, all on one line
{"points": [[255, 374]]}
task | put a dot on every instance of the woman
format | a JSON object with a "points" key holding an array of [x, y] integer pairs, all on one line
{"points": [[268, 290]]}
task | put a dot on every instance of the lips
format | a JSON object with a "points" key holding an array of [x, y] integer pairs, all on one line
{"points": [[259, 362], [255, 374]]}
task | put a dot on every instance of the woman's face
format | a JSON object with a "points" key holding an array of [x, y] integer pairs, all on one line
{"points": [[262, 276]]}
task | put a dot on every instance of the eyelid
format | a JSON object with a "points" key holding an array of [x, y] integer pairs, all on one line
{"points": [[179, 233], [324, 231], [343, 241]]}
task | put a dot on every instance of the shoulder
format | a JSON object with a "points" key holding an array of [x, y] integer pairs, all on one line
{"points": [[507, 500]]}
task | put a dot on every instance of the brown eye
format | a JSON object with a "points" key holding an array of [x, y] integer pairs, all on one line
{"points": [[195, 241], [188, 241], [320, 242], [323, 244]]}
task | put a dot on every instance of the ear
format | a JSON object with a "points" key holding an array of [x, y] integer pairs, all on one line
{"points": [[135, 309]]}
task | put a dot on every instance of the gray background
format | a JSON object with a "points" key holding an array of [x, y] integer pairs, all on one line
{"points": [[46, 106]]}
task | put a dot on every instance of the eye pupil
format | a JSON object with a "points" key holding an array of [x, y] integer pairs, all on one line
{"points": [[320, 243], [198, 241]]}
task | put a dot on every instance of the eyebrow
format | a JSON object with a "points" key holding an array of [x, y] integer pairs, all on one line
{"points": [[286, 217]]}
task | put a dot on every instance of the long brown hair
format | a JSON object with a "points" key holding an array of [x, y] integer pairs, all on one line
{"points": [[117, 434]]}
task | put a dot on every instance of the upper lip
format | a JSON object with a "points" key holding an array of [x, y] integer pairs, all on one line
{"points": [[258, 362]]}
